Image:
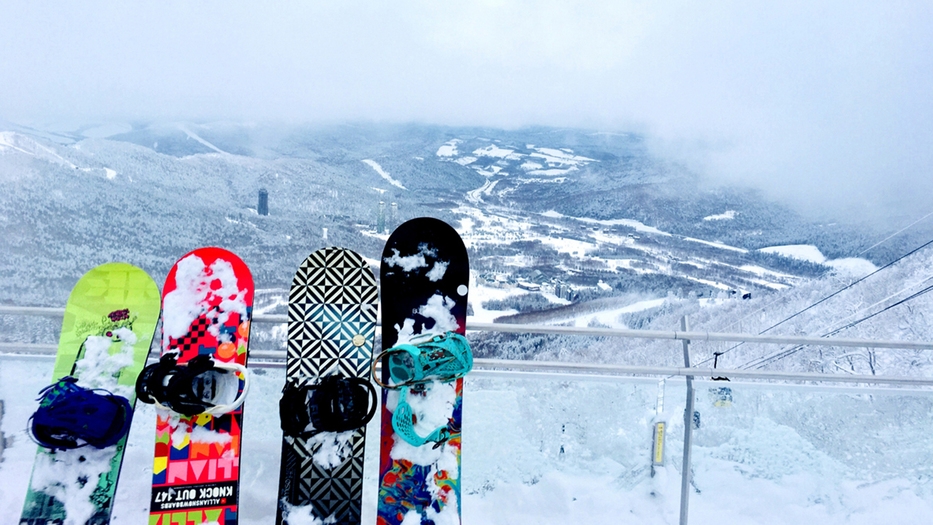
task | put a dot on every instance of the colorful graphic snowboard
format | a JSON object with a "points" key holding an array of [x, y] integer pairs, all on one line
{"points": [[207, 304], [424, 279], [109, 322], [331, 327]]}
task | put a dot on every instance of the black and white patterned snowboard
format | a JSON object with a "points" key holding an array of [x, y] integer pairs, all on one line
{"points": [[331, 326]]}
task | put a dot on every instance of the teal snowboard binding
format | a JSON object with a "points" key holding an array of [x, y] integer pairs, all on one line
{"points": [[443, 358]]}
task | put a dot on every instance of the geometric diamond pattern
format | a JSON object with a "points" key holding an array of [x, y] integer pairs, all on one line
{"points": [[332, 309]]}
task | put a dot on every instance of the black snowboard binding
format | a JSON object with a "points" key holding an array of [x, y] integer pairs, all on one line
{"points": [[335, 404], [71, 416], [192, 388]]}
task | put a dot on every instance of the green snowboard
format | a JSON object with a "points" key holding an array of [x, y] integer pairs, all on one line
{"points": [[109, 322]]}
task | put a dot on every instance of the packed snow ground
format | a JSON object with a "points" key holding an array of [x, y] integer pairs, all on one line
{"points": [[542, 451]]}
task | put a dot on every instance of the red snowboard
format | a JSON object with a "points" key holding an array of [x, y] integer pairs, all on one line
{"points": [[207, 303]]}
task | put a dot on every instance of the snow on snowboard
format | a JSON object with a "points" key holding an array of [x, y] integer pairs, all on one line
{"points": [[198, 387], [424, 276], [84, 415], [327, 399]]}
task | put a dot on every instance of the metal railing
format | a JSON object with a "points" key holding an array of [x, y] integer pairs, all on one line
{"points": [[275, 358]]}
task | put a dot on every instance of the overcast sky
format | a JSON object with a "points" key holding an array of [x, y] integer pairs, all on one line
{"points": [[822, 101]]}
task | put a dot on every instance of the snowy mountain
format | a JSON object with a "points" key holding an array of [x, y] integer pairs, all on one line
{"points": [[153, 192], [562, 225]]}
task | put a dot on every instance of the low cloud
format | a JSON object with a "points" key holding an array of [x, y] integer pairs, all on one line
{"points": [[826, 104]]}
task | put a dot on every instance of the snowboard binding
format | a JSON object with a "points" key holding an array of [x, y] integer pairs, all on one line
{"points": [[403, 422], [443, 358], [71, 416], [411, 367], [197, 387], [335, 404]]}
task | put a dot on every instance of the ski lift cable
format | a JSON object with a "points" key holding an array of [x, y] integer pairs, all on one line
{"points": [[863, 252], [793, 349], [830, 296], [895, 234], [867, 317], [783, 354]]}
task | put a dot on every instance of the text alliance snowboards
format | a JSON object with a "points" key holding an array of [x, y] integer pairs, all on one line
{"points": [[199, 385]]}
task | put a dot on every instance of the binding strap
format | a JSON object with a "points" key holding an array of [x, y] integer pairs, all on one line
{"points": [[71, 416], [444, 358], [170, 385], [403, 422], [335, 404]]}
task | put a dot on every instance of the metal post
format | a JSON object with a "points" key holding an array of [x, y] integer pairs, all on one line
{"points": [[688, 433]]}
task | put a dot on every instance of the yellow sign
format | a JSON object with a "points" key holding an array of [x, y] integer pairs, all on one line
{"points": [[659, 443]]}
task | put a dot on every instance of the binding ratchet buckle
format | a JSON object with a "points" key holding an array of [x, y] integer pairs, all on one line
{"points": [[443, 358]]}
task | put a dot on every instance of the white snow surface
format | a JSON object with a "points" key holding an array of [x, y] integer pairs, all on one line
{"points": [[303, 515], [200, 434], [195, 284], [58, 478], [411, 262], [636, 225], [552, 172], [334, 448], [99, 369], [717, 244], [852, 266], [804, 252], [449, 149], [778, 455], [481, 294], [10, 140], [611, 317], [436, 273], [382, 173], [556, 156], [194, 136], [724, 216], [493, 151]]}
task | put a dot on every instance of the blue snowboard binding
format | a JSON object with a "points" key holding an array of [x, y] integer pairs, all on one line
{"points": [[71, 416]]}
